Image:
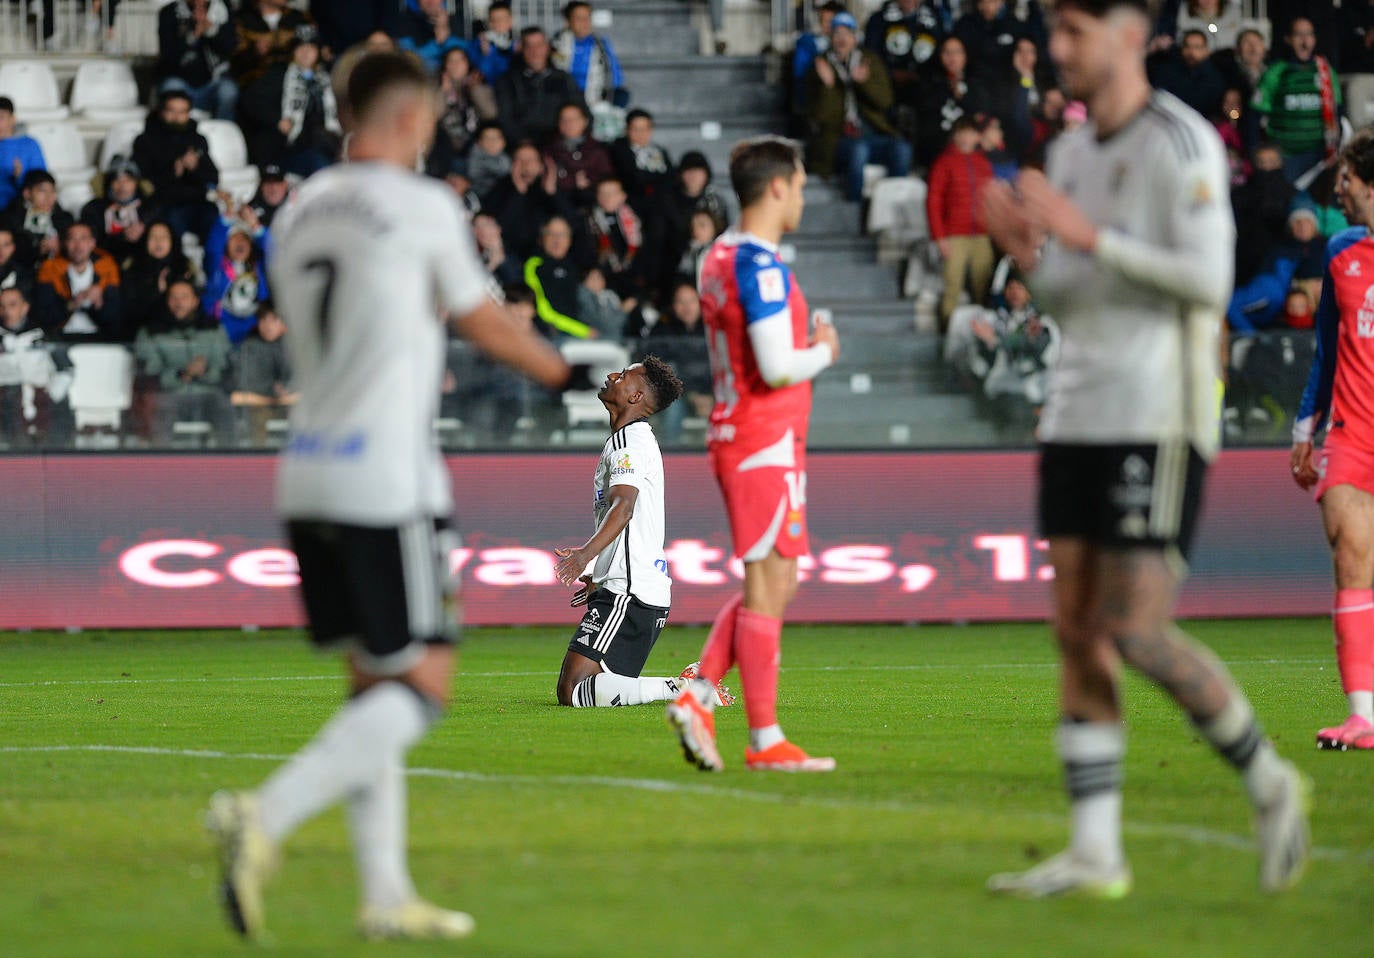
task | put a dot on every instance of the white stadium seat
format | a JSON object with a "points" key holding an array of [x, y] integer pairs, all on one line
{"points": [[119, 141], [1359, 98], [64, 151], [75, 195], [604, 358], [230, 153], [102, 385], [33, 88], [105, 91]]}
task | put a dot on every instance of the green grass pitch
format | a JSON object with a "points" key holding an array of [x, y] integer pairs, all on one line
{"points": [[583, 833]]}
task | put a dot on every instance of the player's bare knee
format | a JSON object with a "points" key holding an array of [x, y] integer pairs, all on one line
{"points": [[1352, 561]]}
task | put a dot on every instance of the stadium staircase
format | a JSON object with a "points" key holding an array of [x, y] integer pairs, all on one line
{"points": [[890, 386]]}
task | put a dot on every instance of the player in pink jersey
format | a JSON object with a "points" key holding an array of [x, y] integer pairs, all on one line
{"points": [[1341, 390], [764, 353]]}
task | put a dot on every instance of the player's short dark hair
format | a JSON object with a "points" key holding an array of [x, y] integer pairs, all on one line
{"points": [[663, 383], [1100, 8], [1358, 154], [376, 74], [758, 161]]}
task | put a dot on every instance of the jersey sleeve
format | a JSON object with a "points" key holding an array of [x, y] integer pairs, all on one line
{"points": [[764, 285], [1197, 265], [460, 279], [1316, 398], [633, 463]]}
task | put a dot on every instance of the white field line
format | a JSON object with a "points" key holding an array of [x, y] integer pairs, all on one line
{"points": [[338, 677], [1189, 833]]}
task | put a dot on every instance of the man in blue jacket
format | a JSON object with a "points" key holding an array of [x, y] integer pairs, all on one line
{"points": [[18, 154]]}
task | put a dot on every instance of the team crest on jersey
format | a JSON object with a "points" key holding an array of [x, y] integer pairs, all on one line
{"points": [[1353, 268], [771, 287], [1364, 316], [1201, 196]]}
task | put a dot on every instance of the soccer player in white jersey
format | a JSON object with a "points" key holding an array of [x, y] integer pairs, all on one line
{"points": [[627, 591], [369, 257], [1129, 233]]}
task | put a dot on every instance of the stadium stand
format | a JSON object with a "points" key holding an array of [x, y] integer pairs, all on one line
{"points": [[871, 264]]}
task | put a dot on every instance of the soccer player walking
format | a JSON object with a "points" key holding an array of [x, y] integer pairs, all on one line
{"points": [[627, 591], [1342, 473], [1136, 265], [764, 353], [369, 256]]}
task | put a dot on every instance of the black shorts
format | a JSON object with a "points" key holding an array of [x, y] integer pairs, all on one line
{"points": [[618, 631], [386, 590], [1122, 496]]}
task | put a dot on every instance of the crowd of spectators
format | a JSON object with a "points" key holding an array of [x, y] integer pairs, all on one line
{"points": [[960, 93], [578, 212], [587, 223]]}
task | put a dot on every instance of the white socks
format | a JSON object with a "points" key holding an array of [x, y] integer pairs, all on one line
{"points": [[358, 755], [1092, 753], [766, 737], [1237, 736], [607, 689], [1362, 704]]}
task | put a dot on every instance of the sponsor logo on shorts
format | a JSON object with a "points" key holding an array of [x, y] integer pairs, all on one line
{"points": [[591, 622], [794, 524]]}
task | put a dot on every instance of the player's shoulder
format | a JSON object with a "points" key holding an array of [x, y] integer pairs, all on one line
{"points": [[1346, 238], [1179, 131], [638, 435]]}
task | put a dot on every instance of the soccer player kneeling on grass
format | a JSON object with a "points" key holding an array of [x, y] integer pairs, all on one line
{"points": [[627, 592], [1130, 235]]}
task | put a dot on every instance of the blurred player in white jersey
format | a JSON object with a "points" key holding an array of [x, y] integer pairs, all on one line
{"points": [[627, 591], [1136, 265], [370, 257]]}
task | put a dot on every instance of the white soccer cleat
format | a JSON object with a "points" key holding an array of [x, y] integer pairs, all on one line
{"points": [[415, 920], [1064, 874], [1282, 832], [247, 857]]}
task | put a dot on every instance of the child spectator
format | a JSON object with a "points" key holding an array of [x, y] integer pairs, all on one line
{"points": [[493, 48], [262, 374], [956, 221], [187, 354], [1227, 121], [704, 230], [235, 274], [617, 240], [272, 191], [694, 193], [35, 219], [600, 308], [488, 163], [32, 410], [78, 291], [456, 176], [1258, 303]]}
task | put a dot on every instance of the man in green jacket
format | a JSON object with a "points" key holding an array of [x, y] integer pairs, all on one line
{"points": [[190, 358], [850, 94], [1300, 101]]}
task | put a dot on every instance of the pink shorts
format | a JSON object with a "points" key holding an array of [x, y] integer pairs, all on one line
{"points": [[1343, 464], [766, 504]]}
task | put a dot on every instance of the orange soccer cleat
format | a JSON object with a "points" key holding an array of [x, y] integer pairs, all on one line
{"points": [[785, 757], [696, 731]]}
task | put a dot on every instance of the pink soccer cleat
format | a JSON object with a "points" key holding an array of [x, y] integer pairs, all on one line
{"points": [[1354, 732], [723, 695]]}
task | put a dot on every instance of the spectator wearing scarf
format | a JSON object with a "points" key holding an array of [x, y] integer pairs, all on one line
{"points": [[1300, 100], [850, 94]]}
